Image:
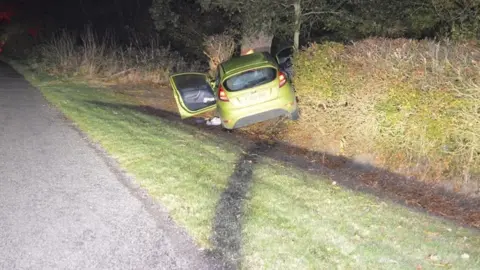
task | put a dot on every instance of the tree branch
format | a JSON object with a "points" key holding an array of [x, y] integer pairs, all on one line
{"points": [[319, 12], [333, 10]]}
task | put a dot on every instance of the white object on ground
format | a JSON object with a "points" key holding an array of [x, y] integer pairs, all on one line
{"points": [[207, 100], [215, 121]]}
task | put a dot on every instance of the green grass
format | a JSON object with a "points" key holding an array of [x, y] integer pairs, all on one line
{"points": [[293, 220]]}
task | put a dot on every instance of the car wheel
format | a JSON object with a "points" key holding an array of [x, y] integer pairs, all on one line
{"points": [[295, 115]]}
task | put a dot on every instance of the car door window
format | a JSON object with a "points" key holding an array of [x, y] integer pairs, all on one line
{"points": [[287, 52]]}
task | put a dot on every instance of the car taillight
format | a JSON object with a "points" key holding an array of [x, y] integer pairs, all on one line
{"points": [[282, 79], [222, 95]]}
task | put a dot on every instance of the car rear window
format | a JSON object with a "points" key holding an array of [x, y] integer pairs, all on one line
{"points": [[250, 78]]}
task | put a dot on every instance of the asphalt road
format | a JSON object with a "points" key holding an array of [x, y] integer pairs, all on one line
{"points": [[65, 205]]}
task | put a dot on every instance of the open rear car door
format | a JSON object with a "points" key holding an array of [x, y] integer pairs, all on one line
{"points": [[193, 94]]}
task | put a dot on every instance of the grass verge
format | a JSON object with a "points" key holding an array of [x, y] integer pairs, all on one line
{"points": [[291, 219], [295, 220]]}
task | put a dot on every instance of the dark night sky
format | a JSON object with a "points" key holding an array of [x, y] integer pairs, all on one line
{"points": [[75, 13]]}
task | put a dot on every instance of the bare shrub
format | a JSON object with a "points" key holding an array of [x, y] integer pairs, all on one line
{"points": [[102, 59], [94, 52], [414, 105], [59, 54], [218, 48]]}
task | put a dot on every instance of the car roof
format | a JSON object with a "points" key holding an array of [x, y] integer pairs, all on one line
{"points": [[246, 62]]}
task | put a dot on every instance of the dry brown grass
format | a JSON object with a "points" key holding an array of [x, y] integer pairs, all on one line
{"points": [[412, 106], [102, 59]]}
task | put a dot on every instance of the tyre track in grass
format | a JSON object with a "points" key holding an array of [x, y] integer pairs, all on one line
{"points": [[227, 225], [384, 184]]}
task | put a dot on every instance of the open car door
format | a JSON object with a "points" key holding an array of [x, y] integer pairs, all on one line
{"points": [[285, 54], [193, 94], [284, 59]]}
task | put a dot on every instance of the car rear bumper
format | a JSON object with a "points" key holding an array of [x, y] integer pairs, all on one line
{"points": [[259, 117], [257, 114]]}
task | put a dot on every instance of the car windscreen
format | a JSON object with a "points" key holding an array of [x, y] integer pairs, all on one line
{"points": [[250, 78]]}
